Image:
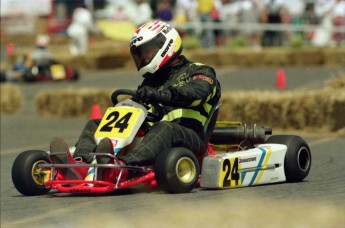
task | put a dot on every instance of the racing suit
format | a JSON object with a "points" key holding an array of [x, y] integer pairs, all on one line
{"points": [[194, 92]]}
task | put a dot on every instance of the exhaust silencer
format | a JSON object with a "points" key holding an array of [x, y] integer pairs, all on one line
{"points": [[236, 134]]}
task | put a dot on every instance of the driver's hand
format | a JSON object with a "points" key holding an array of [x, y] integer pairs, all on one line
{"points": [[148, 95]]}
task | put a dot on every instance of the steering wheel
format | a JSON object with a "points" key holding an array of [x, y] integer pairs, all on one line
{"points": [[156, 116]]}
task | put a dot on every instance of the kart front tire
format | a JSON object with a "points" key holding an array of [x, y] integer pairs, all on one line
{"points": [[297, 161], [27, 177], [177, 170]]}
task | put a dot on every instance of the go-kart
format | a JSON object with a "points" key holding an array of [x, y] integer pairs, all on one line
{"points": [[53, 72], [30, 72], [237, 155]]}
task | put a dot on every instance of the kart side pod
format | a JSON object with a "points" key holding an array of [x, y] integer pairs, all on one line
{"points": [[256, 166]]}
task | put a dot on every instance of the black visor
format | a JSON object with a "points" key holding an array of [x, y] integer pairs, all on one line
{"points": [[144, 53]]}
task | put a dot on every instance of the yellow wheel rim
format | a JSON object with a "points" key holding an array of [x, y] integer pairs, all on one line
{"points": [[185, 169], [40, 175]]}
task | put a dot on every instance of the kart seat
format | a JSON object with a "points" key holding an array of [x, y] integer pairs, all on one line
{"points": [[210, 123]]}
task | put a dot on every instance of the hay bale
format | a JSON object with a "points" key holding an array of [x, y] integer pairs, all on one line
{"points": [[286, 110], [306, 57], [11, 98], [315, 110], [334, 56], [71, 102], [336, 82]]}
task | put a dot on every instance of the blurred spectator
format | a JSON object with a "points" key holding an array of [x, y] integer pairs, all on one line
{"points": [[339, 21], [326, 10], [143, 13], [249, 13], [204, 9], [274, 12], [40, 55], [185, 12], [309, 17], [119, 13], [164, 10], [78, 31], [295, 9], [241, 11], [229, 13]]}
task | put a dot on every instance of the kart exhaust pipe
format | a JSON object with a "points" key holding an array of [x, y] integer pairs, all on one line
{"points": [[236, 134]]}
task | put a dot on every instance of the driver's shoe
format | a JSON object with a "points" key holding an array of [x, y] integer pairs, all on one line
{"points": [[60, 154], [108, 174]]}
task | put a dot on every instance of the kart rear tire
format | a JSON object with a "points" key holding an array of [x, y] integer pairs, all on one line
{"points": [[177, 170], [27, 177], [28, 77], [297, 161]]}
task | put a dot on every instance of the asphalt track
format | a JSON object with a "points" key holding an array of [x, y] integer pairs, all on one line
{"points": [[318, 201]]}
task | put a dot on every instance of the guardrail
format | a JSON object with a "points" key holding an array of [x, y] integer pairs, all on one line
{"points": [[251, 26]]}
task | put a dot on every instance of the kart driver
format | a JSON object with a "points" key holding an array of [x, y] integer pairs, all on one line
{"points": [[187, 92], [40, 55]]}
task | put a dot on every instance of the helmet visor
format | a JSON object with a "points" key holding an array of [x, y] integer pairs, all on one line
{"points": [[143, 54]]}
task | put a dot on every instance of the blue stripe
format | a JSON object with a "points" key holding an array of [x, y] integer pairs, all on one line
{"points": [[243, 176], [117, 150], [260, 164]]}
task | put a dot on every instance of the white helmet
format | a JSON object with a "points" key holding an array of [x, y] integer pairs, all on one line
{"points": [[42, 40], [153, 46]]}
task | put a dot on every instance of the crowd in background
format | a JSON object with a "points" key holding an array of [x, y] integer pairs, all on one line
{"points": [[327, 15]]}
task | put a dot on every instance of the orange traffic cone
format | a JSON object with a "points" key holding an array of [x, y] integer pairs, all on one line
{"points": [[96, 112], [281, 79], [9, 48]]}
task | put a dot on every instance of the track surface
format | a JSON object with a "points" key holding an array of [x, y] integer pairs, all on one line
{"points": [[318, 201]]}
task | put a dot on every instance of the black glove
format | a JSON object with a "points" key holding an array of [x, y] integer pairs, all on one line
{"points": [[147, 95]]}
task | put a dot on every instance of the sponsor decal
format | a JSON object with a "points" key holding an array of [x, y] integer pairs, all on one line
{"points": [[243, 160], [167, 48], [203, 77], [135, 39], [166, 29]]}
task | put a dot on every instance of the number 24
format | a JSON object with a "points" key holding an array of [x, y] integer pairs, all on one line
{"points": [[121, 124], [230, 172]]}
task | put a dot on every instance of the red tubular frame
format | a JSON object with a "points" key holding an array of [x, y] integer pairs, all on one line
{"points": [[96, 186]]}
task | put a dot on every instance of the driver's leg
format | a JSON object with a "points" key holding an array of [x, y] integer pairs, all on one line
{"points": [[86, 143], [163, 135]]}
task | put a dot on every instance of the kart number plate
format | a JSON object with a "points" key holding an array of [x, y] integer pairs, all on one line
{"points": [[229, 175], [118, 122], [58, 72]]}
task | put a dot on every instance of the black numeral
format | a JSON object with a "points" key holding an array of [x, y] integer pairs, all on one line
{"points": [[121, 124], [227, 168], [234, 172], [112, 117], [230, 172]]}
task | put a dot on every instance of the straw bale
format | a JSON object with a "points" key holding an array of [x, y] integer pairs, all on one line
{"points": [[313, 110], [11, 98], [71, 102], [323, 109]]}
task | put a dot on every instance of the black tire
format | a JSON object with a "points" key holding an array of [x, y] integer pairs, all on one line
{"points": [[28, 76], [177, 170], [3, 76], [76, 75], [297, 161], [27, 177]]}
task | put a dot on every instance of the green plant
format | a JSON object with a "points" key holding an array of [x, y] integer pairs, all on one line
{"points": [[190, 42]]}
